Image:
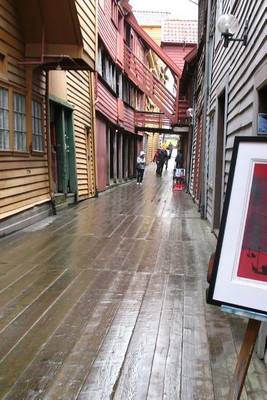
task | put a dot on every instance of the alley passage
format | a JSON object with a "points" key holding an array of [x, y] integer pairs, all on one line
{"points": [[107, 301]]}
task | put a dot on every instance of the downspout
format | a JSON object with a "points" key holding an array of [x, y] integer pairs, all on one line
{"points": [[203, 205], [49, 154]]}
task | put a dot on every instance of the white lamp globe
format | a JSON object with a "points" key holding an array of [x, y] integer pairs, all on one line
{"points": [[227, 23]]}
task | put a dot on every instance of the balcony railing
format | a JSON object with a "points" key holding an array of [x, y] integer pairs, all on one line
{"points": [[149, 84], [155, 120]]}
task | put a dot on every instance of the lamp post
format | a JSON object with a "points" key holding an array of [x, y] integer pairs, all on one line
{"points": [[228, 25]]}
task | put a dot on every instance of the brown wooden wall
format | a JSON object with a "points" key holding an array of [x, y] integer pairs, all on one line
{"points": [[79, 94], [23, 177], [86, 10]]}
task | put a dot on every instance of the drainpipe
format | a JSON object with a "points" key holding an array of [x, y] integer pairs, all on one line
{"points": [[203, 205], [48, 136]]}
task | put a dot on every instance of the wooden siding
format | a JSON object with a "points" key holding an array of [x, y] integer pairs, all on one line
{"points": [[101, 154], [154, 32], [237, 75], [24, 178], [128, 119], [78, 94], [177, 53], [107, 30], [107, 103], [86, 10]]}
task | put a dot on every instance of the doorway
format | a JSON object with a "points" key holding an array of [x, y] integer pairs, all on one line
{"points": [[62, 149], [218, 192]]}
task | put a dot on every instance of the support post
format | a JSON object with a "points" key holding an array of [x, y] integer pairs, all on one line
{"points": [[120, 144], [126, 154], [115, 164]]}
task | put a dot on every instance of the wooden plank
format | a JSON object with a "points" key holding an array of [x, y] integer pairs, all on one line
{"points": [[106, 368], [139, 358], [83, 325], [65, 293]]}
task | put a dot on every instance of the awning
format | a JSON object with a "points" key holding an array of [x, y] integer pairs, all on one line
{"points": [[52, 34]]}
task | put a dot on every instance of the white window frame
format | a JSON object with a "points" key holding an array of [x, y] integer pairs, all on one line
{"points": [[4, 119], [37, 127], [19, 118]]}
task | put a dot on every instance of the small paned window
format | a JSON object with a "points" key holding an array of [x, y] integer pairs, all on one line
{"points": [[19, 122], [37, 131], [4, 123]]}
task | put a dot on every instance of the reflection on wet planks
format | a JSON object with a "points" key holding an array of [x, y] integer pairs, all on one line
{"points": [[107, 301]]}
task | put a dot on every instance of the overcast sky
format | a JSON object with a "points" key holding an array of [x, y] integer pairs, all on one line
{"points": [[183, 9]]}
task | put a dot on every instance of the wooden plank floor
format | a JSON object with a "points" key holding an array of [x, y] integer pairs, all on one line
{"points": [[107, 301]]}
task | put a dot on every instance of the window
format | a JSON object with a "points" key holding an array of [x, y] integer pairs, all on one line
{"points": [[4, 125], [99, 61], [19, 122], [107, 69], [37, 132], [114, 12], [119, 84]]}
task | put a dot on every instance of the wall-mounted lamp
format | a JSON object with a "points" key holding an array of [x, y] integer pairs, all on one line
{"points": [[228, 25], [189, 112]]}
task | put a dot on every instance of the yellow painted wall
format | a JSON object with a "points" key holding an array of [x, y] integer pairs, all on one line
{"points": [[154, 32]]}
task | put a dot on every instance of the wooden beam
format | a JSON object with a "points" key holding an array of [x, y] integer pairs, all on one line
{"points": [[157, 130]]}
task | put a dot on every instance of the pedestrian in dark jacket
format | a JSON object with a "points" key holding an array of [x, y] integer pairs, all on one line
{"points": [[179, 159], [159, 158]]}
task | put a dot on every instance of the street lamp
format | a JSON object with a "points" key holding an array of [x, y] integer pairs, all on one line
{"points": [[228, 25]]}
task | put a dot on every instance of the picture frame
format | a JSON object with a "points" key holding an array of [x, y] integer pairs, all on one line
{"points": [[239, 276]]}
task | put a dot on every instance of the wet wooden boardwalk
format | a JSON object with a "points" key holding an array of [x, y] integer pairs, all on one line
{"points": [[107, 301]]}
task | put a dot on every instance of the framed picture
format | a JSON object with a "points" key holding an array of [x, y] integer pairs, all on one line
{"points": [[239, 277], [262, 124]]}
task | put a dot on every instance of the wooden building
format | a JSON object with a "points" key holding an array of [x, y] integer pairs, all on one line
{"points": [[178, 39], [37, 162], [230, 90], [125, 82]]}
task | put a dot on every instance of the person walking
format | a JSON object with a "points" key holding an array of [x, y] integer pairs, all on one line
{"points": [[159, 158], [140, 167], [179, 159]]}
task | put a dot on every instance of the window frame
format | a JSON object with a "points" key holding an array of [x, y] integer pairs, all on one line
{"points": [[41, 121], [5, 149], [20, 112]]}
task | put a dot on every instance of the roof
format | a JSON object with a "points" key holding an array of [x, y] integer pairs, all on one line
{"points": [[154, 18], [179, 31]]}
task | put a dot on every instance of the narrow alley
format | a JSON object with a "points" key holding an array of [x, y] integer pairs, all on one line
{"points": [[107, 301]]}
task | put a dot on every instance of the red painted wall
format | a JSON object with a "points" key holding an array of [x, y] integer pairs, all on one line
{"points": [[106, 102], [107, 30], [101, 154], [177, 52]]}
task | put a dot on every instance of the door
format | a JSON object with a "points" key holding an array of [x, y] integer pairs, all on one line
{"points": [[63, 149], [218, 192]]}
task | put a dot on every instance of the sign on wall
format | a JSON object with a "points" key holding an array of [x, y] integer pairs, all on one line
{"points": [[239, 277]]}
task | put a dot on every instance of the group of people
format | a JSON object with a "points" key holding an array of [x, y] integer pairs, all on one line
{"points": [[161, 158]]}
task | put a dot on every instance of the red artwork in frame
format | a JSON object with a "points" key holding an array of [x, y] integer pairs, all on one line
{"points": [[239, 276], [253, 256]]}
